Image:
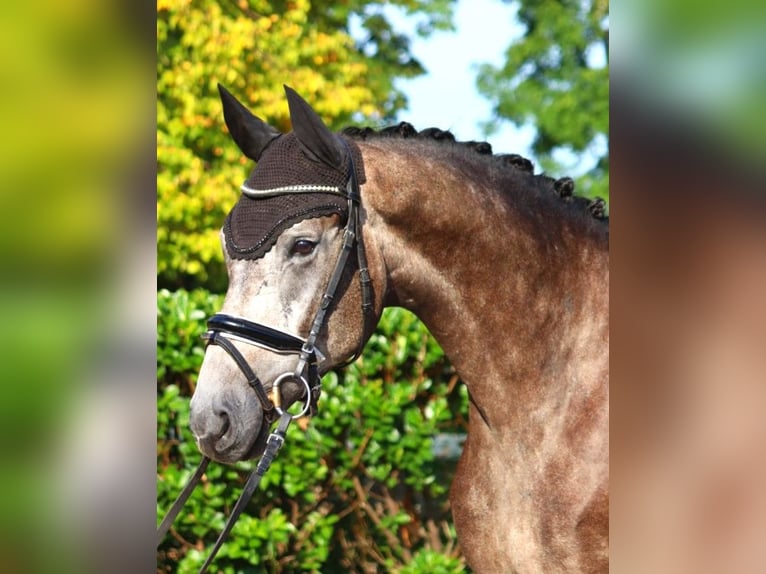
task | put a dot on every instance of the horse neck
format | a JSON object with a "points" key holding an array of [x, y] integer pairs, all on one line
{"points": [[511, 285]]}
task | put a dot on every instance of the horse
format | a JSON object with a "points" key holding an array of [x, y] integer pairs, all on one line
{"points": [[507, 269]]}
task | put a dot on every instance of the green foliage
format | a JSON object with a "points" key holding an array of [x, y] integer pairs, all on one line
{"points": [[181, 321], [555, 79], [428, 561], [253, 47], [386, 50], [355, 489]]}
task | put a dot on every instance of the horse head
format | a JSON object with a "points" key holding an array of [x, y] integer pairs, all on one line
{"points": [[293, 254]]}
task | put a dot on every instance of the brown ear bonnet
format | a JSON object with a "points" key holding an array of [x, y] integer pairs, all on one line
{"points": [[275, 197]]}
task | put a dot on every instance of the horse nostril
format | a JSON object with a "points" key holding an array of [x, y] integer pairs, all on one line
{"points": [[216, 439], [225, 425], [211, 426], [220, 420]]}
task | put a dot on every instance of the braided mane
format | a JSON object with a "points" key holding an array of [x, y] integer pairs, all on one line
{"points": [[562, 187]]}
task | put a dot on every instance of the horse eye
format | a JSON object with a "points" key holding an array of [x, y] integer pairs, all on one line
{"points": [[303, 247]]}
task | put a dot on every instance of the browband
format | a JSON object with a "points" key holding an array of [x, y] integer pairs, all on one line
{"points": [[258, 193]]}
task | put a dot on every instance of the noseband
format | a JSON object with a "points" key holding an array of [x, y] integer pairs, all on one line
{"points": [[223, 329]]}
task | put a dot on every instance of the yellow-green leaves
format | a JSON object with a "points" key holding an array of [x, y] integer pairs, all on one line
{"points": [[252, 49]]}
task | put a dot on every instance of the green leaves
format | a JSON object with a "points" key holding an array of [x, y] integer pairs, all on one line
{"points": [[358, 488], [181, 319], [556, 78]]}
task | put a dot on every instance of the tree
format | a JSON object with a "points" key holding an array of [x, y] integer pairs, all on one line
{"points": [[253, 47], [557, 78]]}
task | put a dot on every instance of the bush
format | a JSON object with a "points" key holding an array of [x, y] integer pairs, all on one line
{"points": [[356, 489]]}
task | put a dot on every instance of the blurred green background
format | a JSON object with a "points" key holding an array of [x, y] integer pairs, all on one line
{"points": [[77, 252]]}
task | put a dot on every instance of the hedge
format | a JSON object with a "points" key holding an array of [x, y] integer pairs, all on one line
{"points": [[357, 489]]}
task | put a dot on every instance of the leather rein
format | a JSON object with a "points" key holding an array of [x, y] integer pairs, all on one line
{"points": [[223, 329]]}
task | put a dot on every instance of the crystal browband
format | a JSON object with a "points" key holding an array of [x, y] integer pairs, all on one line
{"points": [[250, 192]]}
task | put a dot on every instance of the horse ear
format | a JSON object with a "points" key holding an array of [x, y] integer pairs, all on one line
{"points": [[317, 141], [250, 133]]}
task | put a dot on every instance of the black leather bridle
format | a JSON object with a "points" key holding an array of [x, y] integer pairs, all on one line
{"points": [[223, 329]]}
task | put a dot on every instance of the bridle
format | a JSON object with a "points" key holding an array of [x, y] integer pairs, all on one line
{"points": [[223, 329]]}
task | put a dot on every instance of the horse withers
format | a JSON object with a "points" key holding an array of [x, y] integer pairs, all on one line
{"points": [[507, 269]]}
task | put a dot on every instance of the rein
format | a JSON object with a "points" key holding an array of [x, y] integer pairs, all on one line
{"points": [[222, 329]]}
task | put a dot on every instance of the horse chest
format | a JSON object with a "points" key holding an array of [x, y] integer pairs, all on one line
{"points": [[519, 513]]}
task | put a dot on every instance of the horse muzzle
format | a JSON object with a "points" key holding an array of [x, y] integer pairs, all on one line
{"points": [[235, 426]]}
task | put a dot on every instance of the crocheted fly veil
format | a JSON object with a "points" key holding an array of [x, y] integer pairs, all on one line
{"points": [[274, 197]]}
